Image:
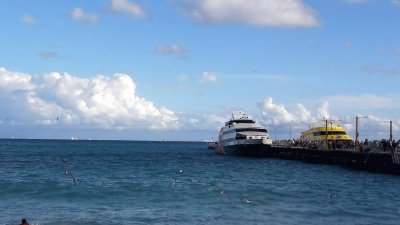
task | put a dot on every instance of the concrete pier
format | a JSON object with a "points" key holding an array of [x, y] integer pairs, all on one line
{"points": [[382, 162]]}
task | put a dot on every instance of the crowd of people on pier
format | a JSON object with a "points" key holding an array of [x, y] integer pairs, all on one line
{"points": [[383, 145]]}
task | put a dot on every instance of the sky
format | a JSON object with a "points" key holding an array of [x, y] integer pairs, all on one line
{"points": [[176, 69]]}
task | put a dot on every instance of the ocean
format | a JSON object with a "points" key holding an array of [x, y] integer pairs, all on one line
{"points": [[143, 182]]}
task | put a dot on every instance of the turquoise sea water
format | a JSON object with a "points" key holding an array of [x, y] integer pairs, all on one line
{"points": [[121, 182]]}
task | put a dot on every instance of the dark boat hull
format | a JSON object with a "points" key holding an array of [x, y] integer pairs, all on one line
{"points": [[246, 149]]}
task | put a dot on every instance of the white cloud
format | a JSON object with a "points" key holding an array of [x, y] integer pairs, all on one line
{"points": [[278, 114], [398, 47], [323, 110], [14, 81], [209, 78], [79, 15], [285, 116], [204, 122], [289, 13], [173, 49], [375, 127], [98, 102], [29, 19], [126, 6]]}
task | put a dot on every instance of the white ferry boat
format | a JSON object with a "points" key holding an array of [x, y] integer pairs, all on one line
{"points": [[242, 136]]}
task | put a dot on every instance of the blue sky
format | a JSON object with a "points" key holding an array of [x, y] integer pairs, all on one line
{"points": [[175, 70]]}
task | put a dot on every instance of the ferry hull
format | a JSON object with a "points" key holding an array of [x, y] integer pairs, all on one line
{"points": [[246, 149]]}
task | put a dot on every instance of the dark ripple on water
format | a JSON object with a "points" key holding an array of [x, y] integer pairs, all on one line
{"points": [[182, 183]]}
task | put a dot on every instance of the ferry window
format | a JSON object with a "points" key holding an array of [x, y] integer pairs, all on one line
{"points": [[240, 138], [243, 121], [251, 129], [263, 130], [329, 133]]}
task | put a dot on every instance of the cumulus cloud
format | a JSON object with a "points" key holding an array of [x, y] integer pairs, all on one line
{"points": [[97, 102], [173, 49], [203, 121], [208, 77], [128, 7], [29, 19], [323, 110], [15, 81], [374, 127], [262, 13], [297, 116], [79, 15], [277, 114]]}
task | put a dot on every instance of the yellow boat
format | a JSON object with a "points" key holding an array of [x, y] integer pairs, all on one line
{"points": [[327, 130]]}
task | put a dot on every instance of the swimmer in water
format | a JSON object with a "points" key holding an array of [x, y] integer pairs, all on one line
{"points": [[24, 222]]}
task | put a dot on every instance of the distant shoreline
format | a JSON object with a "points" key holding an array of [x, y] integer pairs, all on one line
{"points": [[94, 140]]}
